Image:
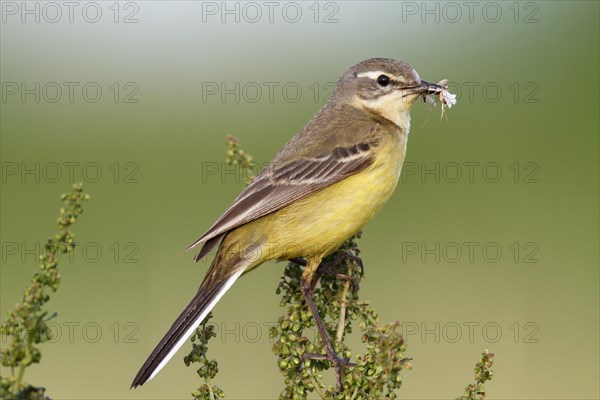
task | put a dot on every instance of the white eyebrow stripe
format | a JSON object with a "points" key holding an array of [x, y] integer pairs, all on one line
{"points": [[375, 75]]}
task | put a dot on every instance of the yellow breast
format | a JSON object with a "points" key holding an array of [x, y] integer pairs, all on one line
{"points": [[320, 223]]}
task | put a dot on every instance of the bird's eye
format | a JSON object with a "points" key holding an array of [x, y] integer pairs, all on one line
{"points": [[383, 80]]}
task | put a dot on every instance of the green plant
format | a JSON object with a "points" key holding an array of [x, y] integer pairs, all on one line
{"points": [[483, 373], [26, 323], [239, 158], [376, 373], [208, 368]]}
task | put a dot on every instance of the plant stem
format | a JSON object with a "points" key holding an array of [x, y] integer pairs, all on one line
{"points": [[20, 377], [24, 363], [342, 321], [212, 395]]}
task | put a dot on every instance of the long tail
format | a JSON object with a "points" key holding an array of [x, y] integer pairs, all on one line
{"points": [[212, 289]]}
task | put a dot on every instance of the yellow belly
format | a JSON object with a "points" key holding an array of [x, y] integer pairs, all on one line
{"points": [[320, 223]]}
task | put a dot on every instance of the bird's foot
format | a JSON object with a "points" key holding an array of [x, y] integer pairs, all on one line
{"points": [[339, 364], [335, 359], [328, 267]]}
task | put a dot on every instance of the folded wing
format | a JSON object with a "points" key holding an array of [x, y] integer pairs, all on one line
{"points": [[280, 185]]}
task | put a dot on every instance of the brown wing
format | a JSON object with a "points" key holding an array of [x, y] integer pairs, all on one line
{"points": [[279, 186]]}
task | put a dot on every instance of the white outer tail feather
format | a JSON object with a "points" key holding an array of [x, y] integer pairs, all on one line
{"points": [[193, 327]]}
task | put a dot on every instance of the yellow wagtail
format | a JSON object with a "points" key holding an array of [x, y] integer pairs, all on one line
{"points": [[322, 187]]}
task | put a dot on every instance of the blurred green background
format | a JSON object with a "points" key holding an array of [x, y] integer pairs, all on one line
{"points": [[527, 79]]}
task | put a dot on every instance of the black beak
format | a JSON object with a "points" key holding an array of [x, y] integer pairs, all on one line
{"points": [[432, 87], [425, 88]]}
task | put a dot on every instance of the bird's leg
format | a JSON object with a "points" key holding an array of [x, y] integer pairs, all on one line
{"points": [[316, 274], [307, 291], [327, 267]]}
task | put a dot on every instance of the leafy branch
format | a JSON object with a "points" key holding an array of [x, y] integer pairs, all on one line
{"points": [[483, 373], [238, 157], [376, 373], [26, 323], [208, 368]]}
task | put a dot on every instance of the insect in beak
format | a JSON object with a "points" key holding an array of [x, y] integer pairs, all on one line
{"points": [[435, 92]]}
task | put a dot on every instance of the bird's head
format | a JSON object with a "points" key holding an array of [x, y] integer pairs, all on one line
{"points": [[384, 87]]}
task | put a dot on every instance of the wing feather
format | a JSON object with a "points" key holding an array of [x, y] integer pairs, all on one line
{"points": [[279, 186]]}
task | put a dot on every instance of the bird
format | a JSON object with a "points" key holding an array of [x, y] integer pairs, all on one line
{"points": [[321, 188]]}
